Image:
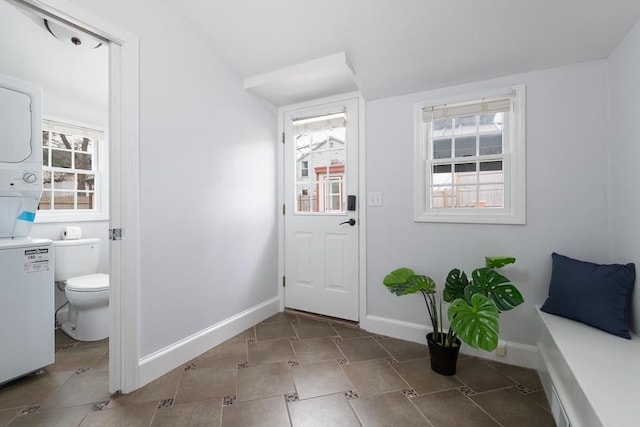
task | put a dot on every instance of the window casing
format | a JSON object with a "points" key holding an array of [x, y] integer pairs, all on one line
{"points": [[75, 187], [470, 159]]}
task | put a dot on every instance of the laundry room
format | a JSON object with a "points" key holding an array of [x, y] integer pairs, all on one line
{"points": [[70, 69]]}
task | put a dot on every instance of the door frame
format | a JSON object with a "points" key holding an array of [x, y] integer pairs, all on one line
{"points": [[362, 205], [124, 208]]}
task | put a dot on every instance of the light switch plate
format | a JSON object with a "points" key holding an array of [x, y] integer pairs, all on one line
{"points": [[374, 199]]}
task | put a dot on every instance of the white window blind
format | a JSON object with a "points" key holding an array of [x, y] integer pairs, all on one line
{"points": [[485, 106]]}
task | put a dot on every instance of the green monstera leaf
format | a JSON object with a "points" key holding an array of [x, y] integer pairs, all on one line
{"points": [[498, 261], [477, 323], [403, 282], [496, 287], [398, 276], [454, 285]]}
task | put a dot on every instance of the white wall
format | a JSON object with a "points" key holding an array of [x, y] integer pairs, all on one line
{"points": [[623, 138], [207, 166], [567, 203]]}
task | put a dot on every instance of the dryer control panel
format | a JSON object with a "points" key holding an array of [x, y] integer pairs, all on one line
{"points": [[19, 181]]}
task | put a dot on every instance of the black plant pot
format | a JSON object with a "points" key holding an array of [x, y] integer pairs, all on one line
{"points": [[443, 359]]}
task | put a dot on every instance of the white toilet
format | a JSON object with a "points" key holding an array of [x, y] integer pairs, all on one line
{"points": [[86, 317]]}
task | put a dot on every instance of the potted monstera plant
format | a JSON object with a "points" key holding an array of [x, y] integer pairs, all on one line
{"points": [[474, 308]]}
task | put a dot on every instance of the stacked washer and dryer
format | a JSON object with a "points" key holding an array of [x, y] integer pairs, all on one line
{"points": [[26, 264]]}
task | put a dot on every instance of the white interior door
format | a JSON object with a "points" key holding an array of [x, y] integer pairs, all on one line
{"points": [[321, 224]]}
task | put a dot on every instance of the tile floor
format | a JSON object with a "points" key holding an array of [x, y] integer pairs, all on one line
{"points": [[287, 370]]}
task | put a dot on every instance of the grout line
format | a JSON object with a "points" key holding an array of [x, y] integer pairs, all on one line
{"points": [[536, 402], [385, 349], [438, 391], [354, 411], [286, 404], [155, 412], [482, 409], [475, 393], [344, 356], [420, 412], [334, 330]]}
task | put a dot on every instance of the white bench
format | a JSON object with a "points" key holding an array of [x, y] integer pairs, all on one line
{"points": [[591, 378]]}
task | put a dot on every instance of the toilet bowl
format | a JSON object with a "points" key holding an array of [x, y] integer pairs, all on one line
{"points": [[86, 317]]}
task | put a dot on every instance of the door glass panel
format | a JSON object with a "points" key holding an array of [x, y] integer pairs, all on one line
{"points": [[320, 167]]}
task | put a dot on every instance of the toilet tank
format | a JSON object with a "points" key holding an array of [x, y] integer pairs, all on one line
{"points": [[75, 258]]}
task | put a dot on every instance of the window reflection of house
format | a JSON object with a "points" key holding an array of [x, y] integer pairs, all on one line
{"points": [[322, 189], [329, 187]]}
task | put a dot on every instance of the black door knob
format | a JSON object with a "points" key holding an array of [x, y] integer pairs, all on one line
{"points": [[351, 222]]}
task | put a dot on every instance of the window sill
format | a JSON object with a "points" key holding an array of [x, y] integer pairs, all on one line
{"points": [[50, 217], [470, 217]]}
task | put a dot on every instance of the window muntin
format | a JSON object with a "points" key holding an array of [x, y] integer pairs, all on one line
{"points": [[470, 164], [71, 170]]}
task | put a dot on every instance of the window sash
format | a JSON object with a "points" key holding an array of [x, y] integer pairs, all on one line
{"points": [[476, 109], [50, 193]]}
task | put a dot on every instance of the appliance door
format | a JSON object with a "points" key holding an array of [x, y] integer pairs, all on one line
{"points": [[26, 309], [15, 126]]}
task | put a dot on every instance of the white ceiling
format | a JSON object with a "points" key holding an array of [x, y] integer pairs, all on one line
{"points": [[394, 47], [29, 52], [398, 47]]}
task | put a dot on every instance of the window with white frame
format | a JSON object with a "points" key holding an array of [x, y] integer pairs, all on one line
{"points": [[333, 194], [74, 185], [470, 163]]}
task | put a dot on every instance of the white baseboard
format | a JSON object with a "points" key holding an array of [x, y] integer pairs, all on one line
{"points": [[516, 353], [164, 360]]}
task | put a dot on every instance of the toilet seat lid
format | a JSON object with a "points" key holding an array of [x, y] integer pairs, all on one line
{"points": [[89, 283]]}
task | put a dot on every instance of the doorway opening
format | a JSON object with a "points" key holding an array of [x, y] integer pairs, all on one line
{"points": [[123, 125]]}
